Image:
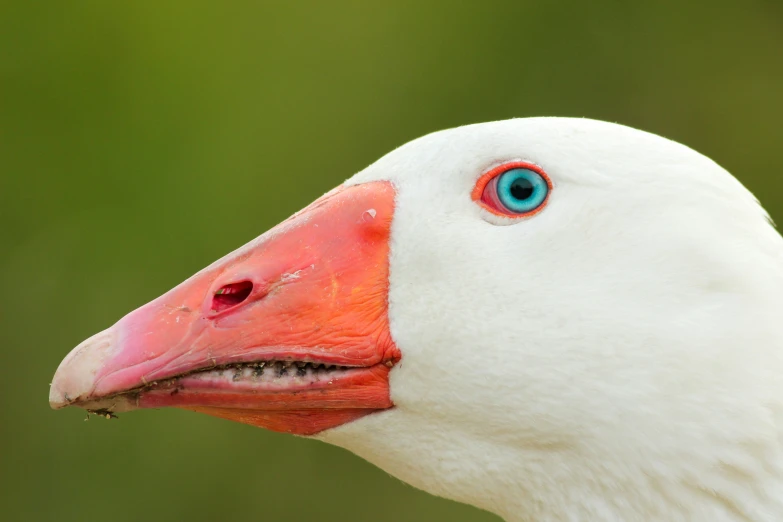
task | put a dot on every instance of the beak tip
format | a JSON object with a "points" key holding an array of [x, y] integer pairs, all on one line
{"points": [[75, 378]]}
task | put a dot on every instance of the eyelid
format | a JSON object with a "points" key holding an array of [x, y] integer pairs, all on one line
{"points": [[495, 172]]}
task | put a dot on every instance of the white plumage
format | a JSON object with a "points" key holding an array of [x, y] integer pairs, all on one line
{"points": [[616, 357]]}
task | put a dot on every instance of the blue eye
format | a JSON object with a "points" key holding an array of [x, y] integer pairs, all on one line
{"points": [[517, 189], [521, 190]]}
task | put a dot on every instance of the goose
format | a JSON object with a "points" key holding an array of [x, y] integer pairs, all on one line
{"points": [[552, 319]]}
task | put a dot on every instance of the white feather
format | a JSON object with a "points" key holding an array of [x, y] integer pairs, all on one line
{"points": [[618, 356]]}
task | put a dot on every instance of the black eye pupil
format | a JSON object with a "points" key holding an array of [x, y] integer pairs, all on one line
{"points": [[521, 189]]}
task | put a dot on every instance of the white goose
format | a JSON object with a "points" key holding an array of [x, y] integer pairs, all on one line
{"points": [[551, 319]]}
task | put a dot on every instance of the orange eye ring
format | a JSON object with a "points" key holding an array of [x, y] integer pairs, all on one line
{"points": [[537, 185]]}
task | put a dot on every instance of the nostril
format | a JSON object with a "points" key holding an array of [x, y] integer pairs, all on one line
{"points": [[231, 295]]}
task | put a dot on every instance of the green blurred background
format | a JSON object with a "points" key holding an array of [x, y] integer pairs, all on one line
{"points": [[139, 141]]}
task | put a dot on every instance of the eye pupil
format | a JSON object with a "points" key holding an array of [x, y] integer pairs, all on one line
{"points": [[521, 189]]}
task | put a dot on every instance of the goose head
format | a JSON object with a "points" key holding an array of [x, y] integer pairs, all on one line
{"points": [[548, 318]]}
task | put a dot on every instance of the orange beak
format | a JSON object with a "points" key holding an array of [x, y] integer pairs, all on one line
{"points": [[289, 333]]}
